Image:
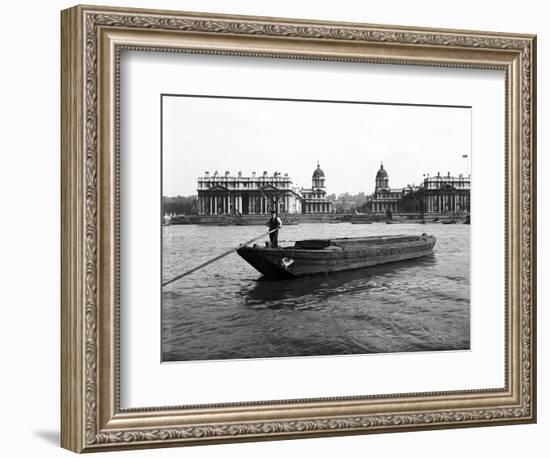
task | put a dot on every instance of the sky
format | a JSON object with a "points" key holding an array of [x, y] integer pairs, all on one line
{"points": [[349, 140]]}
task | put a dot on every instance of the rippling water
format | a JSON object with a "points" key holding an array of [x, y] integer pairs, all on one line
{"points": [[226, 311]]}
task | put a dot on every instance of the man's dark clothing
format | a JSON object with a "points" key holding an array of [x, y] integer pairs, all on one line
{"points": [[274, 223]]}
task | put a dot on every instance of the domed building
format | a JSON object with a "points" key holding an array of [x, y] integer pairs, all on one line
{"points": [[314, 200], [384, 199], [382, 180], [318, 178], [438, 195]]}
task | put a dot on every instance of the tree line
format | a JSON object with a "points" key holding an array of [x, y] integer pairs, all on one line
{"points": [[179, 205]]}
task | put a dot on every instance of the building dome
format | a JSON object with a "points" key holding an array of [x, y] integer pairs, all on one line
{"points": [[381, 173], [318, 172]]}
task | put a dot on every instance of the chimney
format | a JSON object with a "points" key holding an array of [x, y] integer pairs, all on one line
{"points": [[265, 173], [207, 174], [240, 174], [227, 174], [253, 174]]}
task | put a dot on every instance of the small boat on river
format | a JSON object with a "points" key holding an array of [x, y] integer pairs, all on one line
{"points": [[323, 256]]}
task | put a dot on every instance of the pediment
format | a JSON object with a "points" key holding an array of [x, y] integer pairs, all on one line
{"points": [[447, 187], [270, 187], [218, 187]]}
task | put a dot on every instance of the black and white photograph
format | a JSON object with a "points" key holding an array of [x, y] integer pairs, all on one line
{"points": [[313, 227]]}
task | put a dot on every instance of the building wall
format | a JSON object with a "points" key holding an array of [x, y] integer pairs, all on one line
{"points": [[437, 194], [233, 195], [386, 200], [315, 201], [444, 194], [259, 194]]}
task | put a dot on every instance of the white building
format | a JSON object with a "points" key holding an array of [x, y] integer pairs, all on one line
{"points": [[252, 195], [314, 200], [384, 198]]}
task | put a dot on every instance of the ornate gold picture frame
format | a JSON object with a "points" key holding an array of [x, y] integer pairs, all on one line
{"points": [[92, 39]]}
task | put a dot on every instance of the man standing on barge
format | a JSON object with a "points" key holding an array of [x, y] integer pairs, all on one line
{"points": [[274, 223]]}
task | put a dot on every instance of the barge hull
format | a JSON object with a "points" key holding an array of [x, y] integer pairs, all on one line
{"points": [[292, 262]]}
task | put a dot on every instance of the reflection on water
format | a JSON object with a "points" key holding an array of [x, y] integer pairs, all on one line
{"points": [[284, 293], [228, 311]]}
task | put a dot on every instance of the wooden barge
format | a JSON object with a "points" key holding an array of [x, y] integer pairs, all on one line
{"points": [[323, 256]]}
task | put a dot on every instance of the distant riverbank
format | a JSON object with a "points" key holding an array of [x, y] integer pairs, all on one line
{"points": [[290, 218]]}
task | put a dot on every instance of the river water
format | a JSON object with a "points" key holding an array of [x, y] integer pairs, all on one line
{"points": [[226, 311]]}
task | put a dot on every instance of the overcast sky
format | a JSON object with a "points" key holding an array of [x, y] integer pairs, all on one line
{"points": [[349, 141]]}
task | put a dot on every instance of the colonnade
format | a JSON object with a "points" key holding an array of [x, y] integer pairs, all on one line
{"points": [[318, 207], [225, 204], [382, 207], [440, 203]]}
